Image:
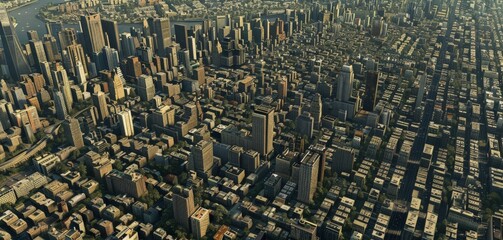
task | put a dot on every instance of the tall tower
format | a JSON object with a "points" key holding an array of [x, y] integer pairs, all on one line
{"points": [[183, 205], [202, 157], [16, 61], [111, 30], [93, 33], [308, 176], [263, 130], [371, 82], [162, 28], [37, 48], [100, 102], [116, 87], [73, 132], [61, 79], [126, 123], [146, 89], [59, 103], [316, 110], [181, 35], [345, 84]]}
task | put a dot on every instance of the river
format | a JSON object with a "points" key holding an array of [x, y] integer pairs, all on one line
{"points": [[26, 18]]}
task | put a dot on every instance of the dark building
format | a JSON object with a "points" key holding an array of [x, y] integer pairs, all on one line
{"points": [[371, 82], [181, 35], [14, 57], [111, 30]]}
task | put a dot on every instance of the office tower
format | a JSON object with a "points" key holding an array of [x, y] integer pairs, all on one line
{"points": [[199, 222], [267, 29], [32, 35], [343, 159], [19, 97], [162, 28], [100, 102], [345, 83], [305, 125], [62, 83], [76, 54], [164, 116], [183, 205], [73, 133], [110, 58], [93, 33], [37, 48], [303, 230], [16, 61], [202, 157], [145, 87], [51, 48], [127, 44], [67, 36], [128, 182], [282, 89], [250, 161], [59, 103], [133, 68], [308, 176], [126, 123], [371, 83], [316, 110], [116, 87], [192, 48], [181, 35], [420, 92], [111, 30], [5, 110], [81, 73], [263, 130]]}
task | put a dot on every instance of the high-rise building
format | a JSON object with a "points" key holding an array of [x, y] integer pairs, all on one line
{"points": [[343, 159], [111, 30], [116, 87], [183, 205], [199, 222], [345, 83], [316, 110], [162, 28], [126, 123], [164, 116], [63, 84], [127, 44], [320, 149], [32, 35], [16, 61], [303, 230], [263, 130], [145, 87], [59, 103], [305, 124], [202, 157], [93, 33], [100, 102], [371, 82], [181, 36], [250, 161], [37, 49], [81, 73], [72, 131], [128, 182], [308, 176], [67, 36], [76, 54]]}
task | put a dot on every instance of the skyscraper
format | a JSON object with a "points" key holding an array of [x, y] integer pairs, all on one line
{"points": [[199, 222], [37, 48], [76, 54], [343, 159], [93, 33], [59, 103], [345, 83], [61, 79], [316, 110], [181, 35], [263, 129], [145, 87], [67, 36], [116, 87], [16, 61], [100, 102], [202, 157], [126, 123], [371, 82], [183, 205], [111, 30], [308, 176], [72, 131], [162, 28]]}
